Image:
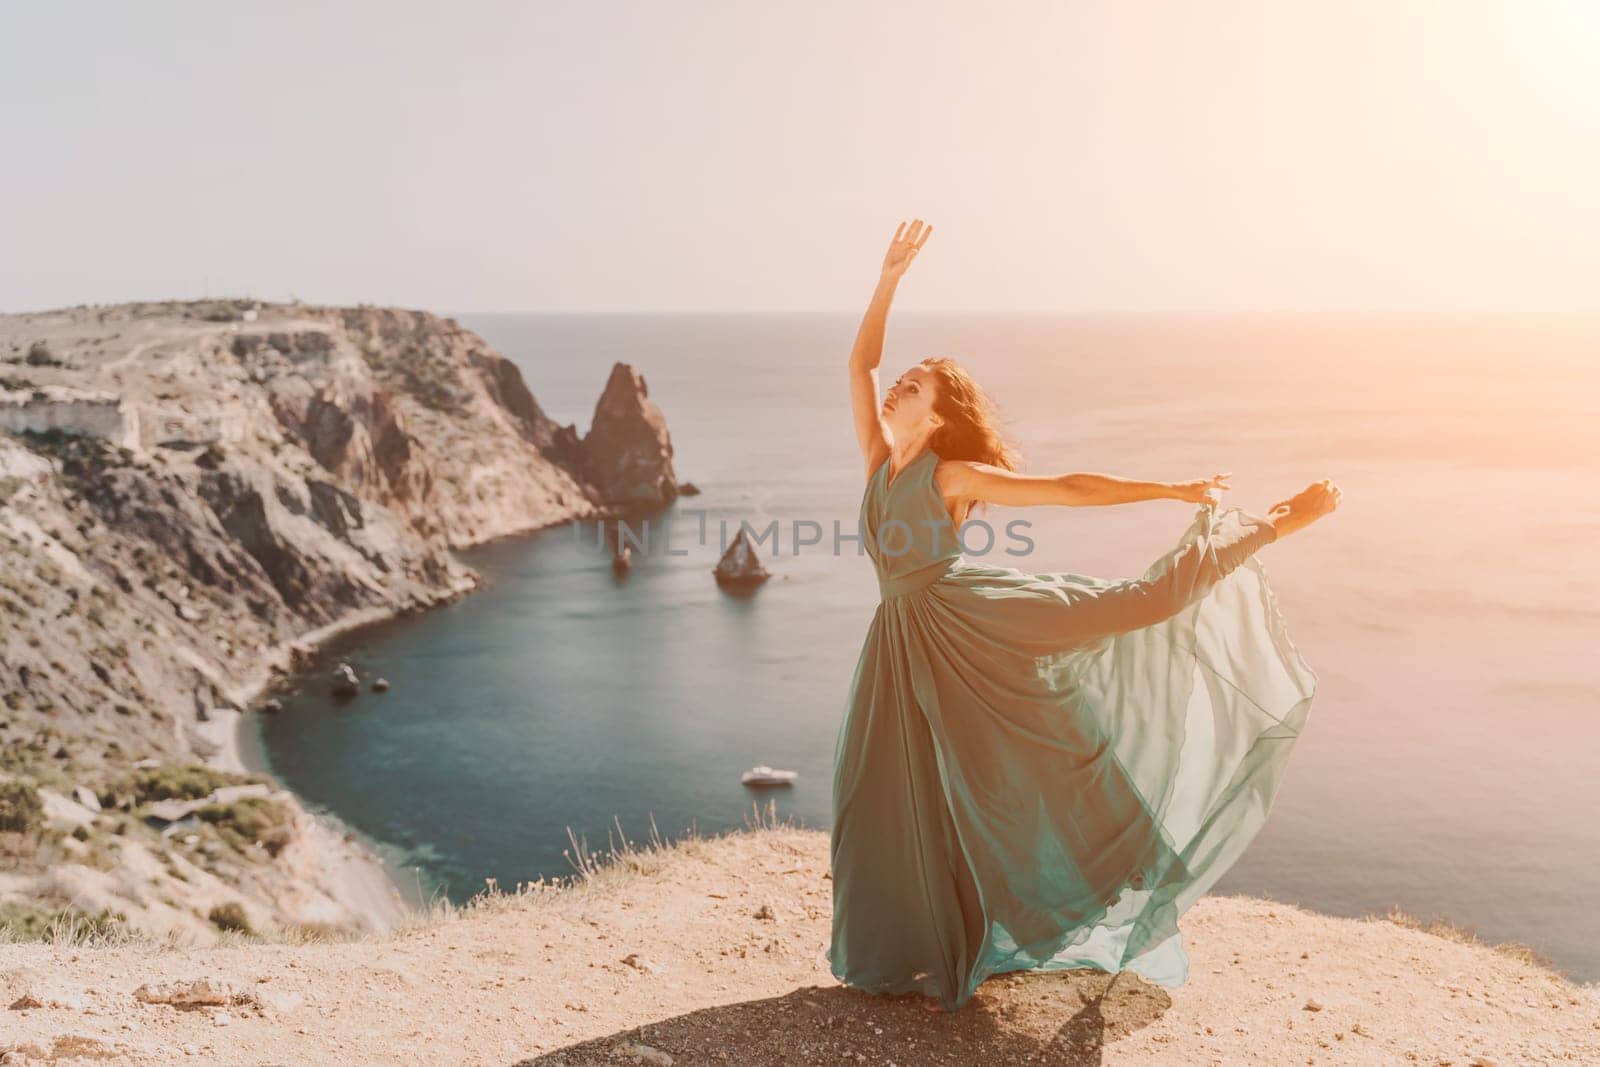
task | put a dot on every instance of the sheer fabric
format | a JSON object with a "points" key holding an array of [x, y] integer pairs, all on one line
{"points": [[1044, 771]]}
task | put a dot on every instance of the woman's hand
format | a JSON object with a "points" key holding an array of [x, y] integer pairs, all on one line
{"points": [[1196, 491], [1304, 508], [904, 248]]}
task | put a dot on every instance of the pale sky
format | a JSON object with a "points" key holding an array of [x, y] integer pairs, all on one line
{"points": [[689, 155]]}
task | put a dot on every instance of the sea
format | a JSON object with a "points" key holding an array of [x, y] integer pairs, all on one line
{"points": [[1450, 607]]}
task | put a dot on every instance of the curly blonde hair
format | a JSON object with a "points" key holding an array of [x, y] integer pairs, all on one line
{"points": [[971, 428]]}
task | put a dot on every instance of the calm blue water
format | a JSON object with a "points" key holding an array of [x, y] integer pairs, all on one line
{"points": [[1450, 608]]}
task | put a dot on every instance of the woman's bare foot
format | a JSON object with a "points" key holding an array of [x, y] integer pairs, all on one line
{"points": [[1304, 508]]}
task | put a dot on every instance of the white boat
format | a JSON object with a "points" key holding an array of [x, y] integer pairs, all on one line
{"points": [[761, 774]]}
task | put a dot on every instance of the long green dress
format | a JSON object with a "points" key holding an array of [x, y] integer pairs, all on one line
{"points": [[1043, 771]]}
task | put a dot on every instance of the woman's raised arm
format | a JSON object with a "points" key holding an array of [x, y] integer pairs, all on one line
{"points": [[872, 432]]}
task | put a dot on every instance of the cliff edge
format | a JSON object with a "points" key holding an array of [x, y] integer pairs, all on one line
{"points": [[707, 951]]}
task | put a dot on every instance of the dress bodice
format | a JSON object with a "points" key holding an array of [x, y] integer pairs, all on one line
{"points": [[908, 531]]}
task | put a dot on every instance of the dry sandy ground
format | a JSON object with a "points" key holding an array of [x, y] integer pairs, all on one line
{"points": [[668, 949]]}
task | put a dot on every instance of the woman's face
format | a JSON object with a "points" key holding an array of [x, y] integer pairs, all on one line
{"points": [[908, 407]]}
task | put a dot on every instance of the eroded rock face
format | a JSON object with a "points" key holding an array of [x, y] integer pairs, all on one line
{"points": [[508, 389], [627, 454], [329, 400], [144, 586]]}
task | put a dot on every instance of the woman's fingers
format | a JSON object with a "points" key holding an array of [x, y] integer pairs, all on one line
{"points": [[915, 236], [907, 242]]}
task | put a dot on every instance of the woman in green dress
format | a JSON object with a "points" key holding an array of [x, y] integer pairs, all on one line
{"points": [[1041, 771]]}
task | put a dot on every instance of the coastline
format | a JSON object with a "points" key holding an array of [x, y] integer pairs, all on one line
{"points": [[358, 871], [212, 492]]}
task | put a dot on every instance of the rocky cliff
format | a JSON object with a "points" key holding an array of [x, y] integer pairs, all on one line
{"points": [[292, 471]]}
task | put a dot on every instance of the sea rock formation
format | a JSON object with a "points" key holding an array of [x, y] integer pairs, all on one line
{"points": [[627, 454], [344, 680], [279, 473], [741, 563]]}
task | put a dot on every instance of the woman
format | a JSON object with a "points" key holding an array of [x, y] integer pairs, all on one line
{"points": [[1041, 771]]}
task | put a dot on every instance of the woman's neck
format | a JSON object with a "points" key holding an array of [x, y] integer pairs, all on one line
{"points": [[904, 455]]}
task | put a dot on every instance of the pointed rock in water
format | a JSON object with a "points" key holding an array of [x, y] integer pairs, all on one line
{"points": [[381, 685], [345, 680], [627, 454], [741, 564], [688, 489]]}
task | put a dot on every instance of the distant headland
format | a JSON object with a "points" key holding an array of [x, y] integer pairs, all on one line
{"points": [[192, 496]]}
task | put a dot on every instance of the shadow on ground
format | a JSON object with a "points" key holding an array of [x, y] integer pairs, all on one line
{"points": [[1064, 1017]]}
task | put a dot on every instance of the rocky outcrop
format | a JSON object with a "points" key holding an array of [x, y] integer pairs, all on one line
{"points": [[418, 412], [508, 389], [627, 454], [741, 563], [145, 591]]}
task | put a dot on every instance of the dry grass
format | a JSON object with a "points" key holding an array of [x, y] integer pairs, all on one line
{"points": [[1467, 935], [76, 930], [598, 873], [594, 872], [71, 931]]}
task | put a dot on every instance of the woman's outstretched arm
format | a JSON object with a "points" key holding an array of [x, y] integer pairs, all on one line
{"points": [[982, 481], [1190, 571], [872, 432]]}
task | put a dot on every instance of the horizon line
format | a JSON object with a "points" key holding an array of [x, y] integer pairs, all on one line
{"points": [[1052, 312], [1430, 312]]}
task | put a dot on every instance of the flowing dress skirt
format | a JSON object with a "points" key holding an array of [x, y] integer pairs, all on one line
{"points": [[1044, 771]]}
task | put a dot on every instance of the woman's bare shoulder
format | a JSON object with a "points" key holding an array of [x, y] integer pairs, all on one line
{"points": [[955, 476]]}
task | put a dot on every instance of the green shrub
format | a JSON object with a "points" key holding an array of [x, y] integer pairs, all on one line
{"points": [[39, 355], [247, 821], [180, 783], [21, 810], [230, 916]]}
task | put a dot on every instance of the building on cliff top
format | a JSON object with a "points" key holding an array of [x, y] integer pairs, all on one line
{"points": [[107, 416], [88, 414]]}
